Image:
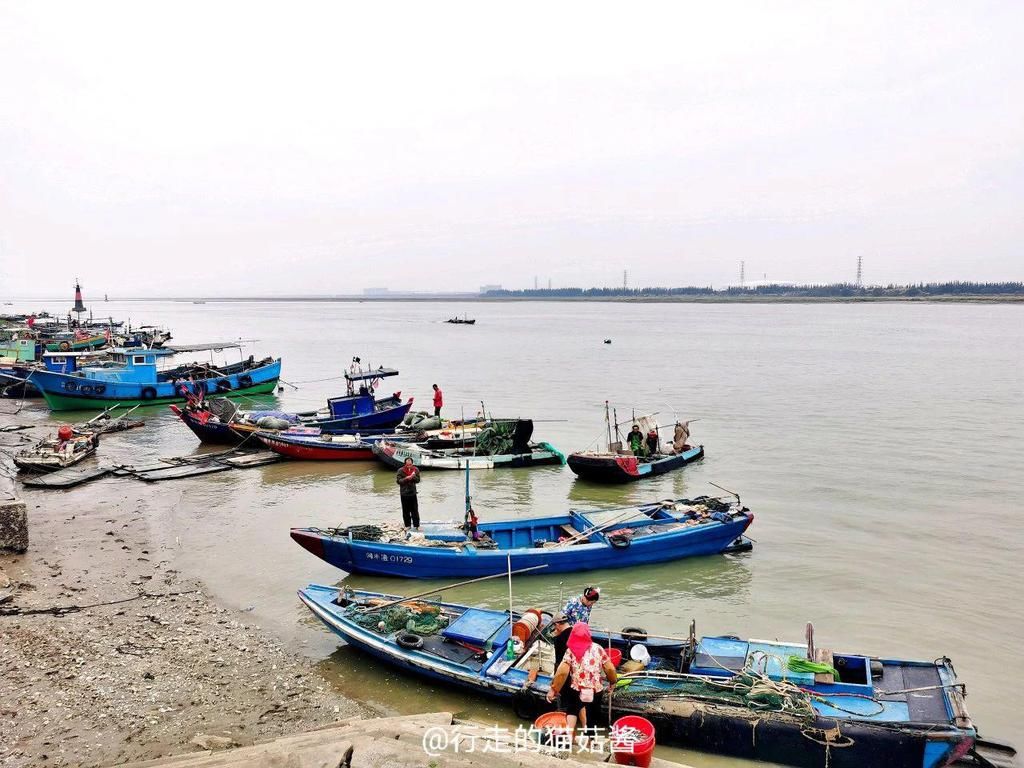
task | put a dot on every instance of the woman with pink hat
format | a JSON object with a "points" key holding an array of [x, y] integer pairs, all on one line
{"points": [[586, 667]]}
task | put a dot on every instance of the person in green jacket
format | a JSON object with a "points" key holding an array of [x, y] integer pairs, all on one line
{"points": [[636, 441]]}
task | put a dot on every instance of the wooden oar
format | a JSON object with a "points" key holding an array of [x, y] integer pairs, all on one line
{"points": [[499, 575], [597, 528]]}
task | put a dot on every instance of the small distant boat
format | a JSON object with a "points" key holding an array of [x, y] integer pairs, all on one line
{"points": [[63, 450], [616, 465], [578, 541], [198, 302], [464, 320]]}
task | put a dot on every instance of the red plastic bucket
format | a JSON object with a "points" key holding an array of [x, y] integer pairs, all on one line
{"points": [[551, 727], [630, 751], [614, 656]]}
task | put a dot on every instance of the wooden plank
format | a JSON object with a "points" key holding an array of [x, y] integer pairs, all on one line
{"points": [[67, 478], [174, 473], [253, 459], [823, 656]]}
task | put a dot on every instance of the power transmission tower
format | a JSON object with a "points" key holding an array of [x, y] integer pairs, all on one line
{"points": [[860, 274], [625, 278], [743, 273]]}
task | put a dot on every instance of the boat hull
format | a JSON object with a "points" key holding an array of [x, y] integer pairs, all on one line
{"points": [[64, 392], [776, 737], [414, 562], [626, 469], [395, 454], [310, 450]]}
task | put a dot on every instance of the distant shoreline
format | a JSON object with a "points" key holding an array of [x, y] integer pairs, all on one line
{"points": [[683, 299]]}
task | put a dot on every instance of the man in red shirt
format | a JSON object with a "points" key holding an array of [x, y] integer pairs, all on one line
{"points": [[438, 401]]}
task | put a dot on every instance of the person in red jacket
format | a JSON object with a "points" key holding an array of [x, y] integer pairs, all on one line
{"points": [[438, 400]]}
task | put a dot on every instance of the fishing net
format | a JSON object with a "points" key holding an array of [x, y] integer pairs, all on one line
{"points": [[423, 619], [746, 689]]}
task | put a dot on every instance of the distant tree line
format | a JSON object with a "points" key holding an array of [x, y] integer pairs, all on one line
{"points": [[956, 288]]}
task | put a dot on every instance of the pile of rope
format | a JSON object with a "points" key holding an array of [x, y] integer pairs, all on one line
{"points": [[422, 619]]}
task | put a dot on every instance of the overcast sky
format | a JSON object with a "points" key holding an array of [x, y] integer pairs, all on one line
{"points": [[220, 148]]}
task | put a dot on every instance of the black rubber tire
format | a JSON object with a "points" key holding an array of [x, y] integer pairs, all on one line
{"points": [[95, 439], [70, 386], [620, 541], [637, 634], [64, 346], [223, 386], [148, 393], [525, 705], [100, 389], [409, 640], [244, 382], [86, 389]]}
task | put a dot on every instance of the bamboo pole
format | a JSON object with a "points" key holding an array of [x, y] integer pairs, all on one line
{"points": [[375, 608]]}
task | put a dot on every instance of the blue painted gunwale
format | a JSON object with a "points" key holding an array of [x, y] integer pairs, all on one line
{"points": [[417, 562]]}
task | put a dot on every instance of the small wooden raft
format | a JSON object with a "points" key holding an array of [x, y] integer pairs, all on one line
{"points": [[69, 477]]}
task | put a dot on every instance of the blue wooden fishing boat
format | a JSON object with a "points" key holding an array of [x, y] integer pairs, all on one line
{"points": [[133, 377], [577, 541], [718, 694]]}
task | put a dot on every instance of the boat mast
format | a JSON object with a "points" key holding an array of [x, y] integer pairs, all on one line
{"points": [[608, 425]]}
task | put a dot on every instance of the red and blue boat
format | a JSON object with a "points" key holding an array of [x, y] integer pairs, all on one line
{"points": [[358, 411]]}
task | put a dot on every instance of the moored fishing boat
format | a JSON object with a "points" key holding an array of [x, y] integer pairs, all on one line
{"points": [[63, 450], [132, 377], [650, 458], [503, 444], [577, 541], [743, 698], [357, 412], [312, 445]]}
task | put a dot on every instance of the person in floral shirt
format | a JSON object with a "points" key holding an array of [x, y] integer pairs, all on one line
{"points": [[577, 610], [586, 666]]}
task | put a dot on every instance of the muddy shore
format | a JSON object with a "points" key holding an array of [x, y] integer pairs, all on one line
{"points": [[142, 662]]}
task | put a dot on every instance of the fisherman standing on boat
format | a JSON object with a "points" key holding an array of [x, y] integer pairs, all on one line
{"points": [[653, 444], [408, 477], [681, 436], [636, 440], [438, 400], [577, 610]]}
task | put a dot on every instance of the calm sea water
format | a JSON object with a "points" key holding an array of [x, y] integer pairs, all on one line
{"points": [[879, 446]]}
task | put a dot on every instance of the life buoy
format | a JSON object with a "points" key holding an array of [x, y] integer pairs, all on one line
{"points": [[620, 541], [148, 393], [409, 640], [245, 381], [223, 385]]}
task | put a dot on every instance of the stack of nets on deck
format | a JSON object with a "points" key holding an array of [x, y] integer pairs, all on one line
{"points": [[384, 532], [421, 618], [747, 689]]}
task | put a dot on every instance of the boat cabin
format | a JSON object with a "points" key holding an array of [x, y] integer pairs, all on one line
{"points": [[20, 350], [360, 400], [127, 365]]}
